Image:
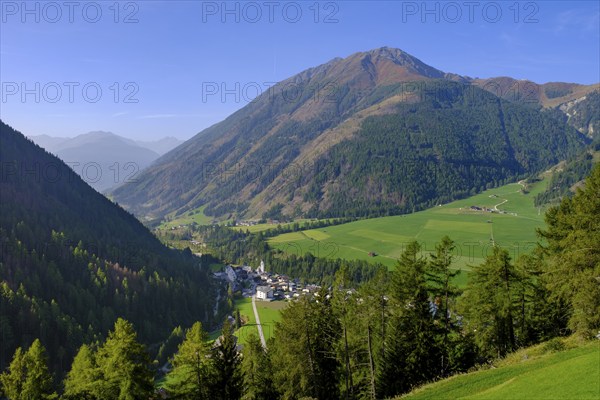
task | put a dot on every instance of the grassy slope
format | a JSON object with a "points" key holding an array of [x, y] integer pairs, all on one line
{"points": [[471, 230], [187, 218], [569, 374], [269, 313], [245, 307]]}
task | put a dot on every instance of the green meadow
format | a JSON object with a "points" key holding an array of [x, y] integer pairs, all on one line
{"points": [[473, 231], [567, 374], [245, 307], [269, 313], [196, 215]]}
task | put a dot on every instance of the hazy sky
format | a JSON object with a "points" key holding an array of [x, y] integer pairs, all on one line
{"points": [[148, 69]]}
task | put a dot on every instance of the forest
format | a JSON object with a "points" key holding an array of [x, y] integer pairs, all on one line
{"points": [[452, 144], [72, 262], [382, 338]]}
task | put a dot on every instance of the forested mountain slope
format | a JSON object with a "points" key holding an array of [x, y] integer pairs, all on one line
{"points": [[349, 137], [71, 261]]}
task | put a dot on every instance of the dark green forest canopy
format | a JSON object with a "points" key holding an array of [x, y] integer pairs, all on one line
{"points": [[71, 261], [456, 141]]}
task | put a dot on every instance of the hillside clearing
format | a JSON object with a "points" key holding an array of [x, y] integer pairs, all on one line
{"points": [[568, 374]]}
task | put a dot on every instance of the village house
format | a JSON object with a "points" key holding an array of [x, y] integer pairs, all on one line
{"points": [[264, 293]]}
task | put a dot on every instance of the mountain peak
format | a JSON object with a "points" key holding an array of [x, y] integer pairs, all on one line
{"points": [[405, 65], [381, 66]]}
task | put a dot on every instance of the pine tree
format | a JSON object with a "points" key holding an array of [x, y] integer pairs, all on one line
{"points": [[28, 376], [304, 361], [257, 371], [38, 384], [228, 381], [124, 366], [539, 316], [573, 252], [490, 303], [375, 309], [410, 350], [84, 373], [192, 368], [13, 379], [440, 276]]}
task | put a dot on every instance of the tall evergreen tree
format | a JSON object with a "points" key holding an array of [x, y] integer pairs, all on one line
{"points": [[490, 304], [124, 366], [13, 379], [375, 309], [573, 252], [342, 302], [257, 371], [228, 381], [84, 373], [304, 361], [38, 384], [444, 292], [410, 350], [540, 316], [28, 376], [192, 368]]}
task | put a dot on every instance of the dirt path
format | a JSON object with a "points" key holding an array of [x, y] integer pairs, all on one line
{"points": [[506, 200], [258, 325], [499, 204]]}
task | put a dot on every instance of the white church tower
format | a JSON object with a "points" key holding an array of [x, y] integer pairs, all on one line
{"points": [[261, 269]]}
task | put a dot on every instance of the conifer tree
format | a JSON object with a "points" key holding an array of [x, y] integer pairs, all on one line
{"points": [[228, 381], [192, 369], [573, 253], [124, 366], [83, 375], [490, 303], [38, 384], [28, 376], [304, 361], [443, 291], [257, 371], [12, 380], [410, 350]]}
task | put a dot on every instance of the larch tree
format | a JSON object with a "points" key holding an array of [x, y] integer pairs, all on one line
{"points": [[28, 376], [573, 254], [490, 303], [228, 382], [440, 276], [80, 381], [410, 349], [257, 371], [124, 365], [192, 368]]}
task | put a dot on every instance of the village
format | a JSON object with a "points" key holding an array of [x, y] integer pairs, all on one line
{"points": [[265, 286]]}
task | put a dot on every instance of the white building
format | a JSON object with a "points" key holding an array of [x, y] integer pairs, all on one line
{"points": [[261, 268], [264, 293]]}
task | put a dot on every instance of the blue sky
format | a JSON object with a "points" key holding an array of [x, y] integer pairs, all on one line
{"points": [[141, 69]]}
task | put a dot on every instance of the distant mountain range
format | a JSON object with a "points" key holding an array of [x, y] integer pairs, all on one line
{"points": [[104, 159], [376, 133], [71, 262]]}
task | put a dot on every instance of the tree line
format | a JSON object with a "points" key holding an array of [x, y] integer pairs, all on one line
{"points": [[396, 331], [71, 262], [242, 247]]}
